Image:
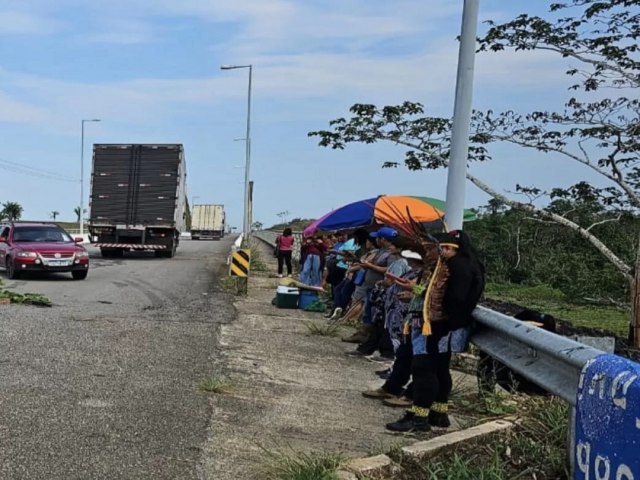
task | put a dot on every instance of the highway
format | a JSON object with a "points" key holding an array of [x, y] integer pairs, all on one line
{"points": [[103, 385]]}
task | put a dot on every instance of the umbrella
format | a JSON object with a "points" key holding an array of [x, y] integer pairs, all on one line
{"points": [[383, 209]]}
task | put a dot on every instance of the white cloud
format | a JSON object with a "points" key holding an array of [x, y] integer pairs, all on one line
{"points": [[15, 111], [23, 23], [123, 32]]}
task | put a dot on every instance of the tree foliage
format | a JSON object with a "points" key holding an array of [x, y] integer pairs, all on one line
{"points": [[11, 211]]}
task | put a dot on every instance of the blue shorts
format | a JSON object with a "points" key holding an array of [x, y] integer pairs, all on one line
{"points": [[456, 341]]}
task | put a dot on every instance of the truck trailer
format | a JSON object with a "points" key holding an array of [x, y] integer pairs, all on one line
{"points": [[138, 198], [207, 221]]}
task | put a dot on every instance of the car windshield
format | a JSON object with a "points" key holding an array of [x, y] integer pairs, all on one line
{"points": [[40, 234]]}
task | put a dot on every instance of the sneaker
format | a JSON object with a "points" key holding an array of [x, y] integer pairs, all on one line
{"points": [[384, 374], [410, 423], [279, 275], [329, 314], [379, 359], [355, 353], [378, 393], [398, 402], [439, 420], [337, 313]]}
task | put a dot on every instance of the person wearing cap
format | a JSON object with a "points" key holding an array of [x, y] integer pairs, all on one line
{"points": [[449, 295], [374, 267], [395, 313]]}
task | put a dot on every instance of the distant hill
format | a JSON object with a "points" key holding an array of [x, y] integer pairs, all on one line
{"points": [[297, 225]]}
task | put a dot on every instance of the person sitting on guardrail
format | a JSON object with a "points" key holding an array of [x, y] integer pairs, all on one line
{"points": [[449, 296]]}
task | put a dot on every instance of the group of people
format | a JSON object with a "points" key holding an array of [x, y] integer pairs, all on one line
{"points": [[414, 295]]}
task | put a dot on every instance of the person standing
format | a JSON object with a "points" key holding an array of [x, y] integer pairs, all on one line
{"points": [[284, 244], [449, 296]]}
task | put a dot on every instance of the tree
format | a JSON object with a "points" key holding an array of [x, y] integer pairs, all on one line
{"points": [[256, 226], [77, 212], [599, 134], [54, 214], [11, 211]]}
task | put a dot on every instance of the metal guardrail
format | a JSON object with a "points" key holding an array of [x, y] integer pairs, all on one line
{"points": [[551, 361]]}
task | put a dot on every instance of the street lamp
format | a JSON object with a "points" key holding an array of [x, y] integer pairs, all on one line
{"points": [[246, 226], [82, 174]]}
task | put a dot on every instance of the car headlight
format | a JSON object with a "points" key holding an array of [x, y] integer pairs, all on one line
{"points": [[82, 254], [27, 254]]}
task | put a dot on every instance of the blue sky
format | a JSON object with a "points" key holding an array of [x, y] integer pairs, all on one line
{"points": [[150, 70]]}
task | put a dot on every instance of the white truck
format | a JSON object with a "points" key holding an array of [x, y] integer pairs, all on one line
{"points": [[207, 221]]}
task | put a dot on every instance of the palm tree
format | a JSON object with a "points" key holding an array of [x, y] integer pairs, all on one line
{"points": [[54, 214], [11, 211], [77, 212]]}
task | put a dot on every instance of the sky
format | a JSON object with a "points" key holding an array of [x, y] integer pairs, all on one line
{"points": [[150, 71]]}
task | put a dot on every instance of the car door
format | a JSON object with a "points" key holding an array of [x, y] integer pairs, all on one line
{"points": [[4, 246]]}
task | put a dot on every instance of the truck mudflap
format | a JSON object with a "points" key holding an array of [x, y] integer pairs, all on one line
{"points": [[130, 246]]}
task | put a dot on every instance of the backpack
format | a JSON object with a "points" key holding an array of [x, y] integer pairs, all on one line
{"points": [[277, 247]]}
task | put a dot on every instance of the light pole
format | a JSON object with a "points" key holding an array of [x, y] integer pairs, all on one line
{"points": [[82, 174], [246, 226]]}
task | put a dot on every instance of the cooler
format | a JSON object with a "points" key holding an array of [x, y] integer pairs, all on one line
{"points": [[307, 298], [287, 297]]}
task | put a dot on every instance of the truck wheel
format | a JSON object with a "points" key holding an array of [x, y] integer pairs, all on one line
{"points": [[12, 273], [79, 274], [106, 252]]}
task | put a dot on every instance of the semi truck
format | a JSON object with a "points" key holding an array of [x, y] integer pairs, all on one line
{"points": [[207, 221], [138, 198]]}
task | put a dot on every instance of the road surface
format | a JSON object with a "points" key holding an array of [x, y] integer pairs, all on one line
{"points": [[103, 385]]}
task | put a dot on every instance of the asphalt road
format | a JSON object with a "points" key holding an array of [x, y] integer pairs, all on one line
{"points": [[103, 385]]}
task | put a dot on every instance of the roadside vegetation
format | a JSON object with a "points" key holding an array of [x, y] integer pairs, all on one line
{"points": [[534, 448], [216, 383]]}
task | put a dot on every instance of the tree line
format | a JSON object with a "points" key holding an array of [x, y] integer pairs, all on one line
{"points": [[12, 211]]}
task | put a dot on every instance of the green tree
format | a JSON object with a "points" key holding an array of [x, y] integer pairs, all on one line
{"points": [[54, 214], [257, 226], [596, 133], [77, 212], [11, 211]]}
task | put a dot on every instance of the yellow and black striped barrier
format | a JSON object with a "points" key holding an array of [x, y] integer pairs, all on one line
{"points": [[240, 261]]}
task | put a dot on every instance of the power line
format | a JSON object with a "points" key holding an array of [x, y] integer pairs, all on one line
{"points": [[33, 172]]}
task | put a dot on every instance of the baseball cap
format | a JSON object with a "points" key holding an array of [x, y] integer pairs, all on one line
{"points": [[385, 232], [411, 254]]}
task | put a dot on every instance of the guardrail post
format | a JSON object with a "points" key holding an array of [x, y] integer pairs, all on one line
{"points": [[607, 437]]}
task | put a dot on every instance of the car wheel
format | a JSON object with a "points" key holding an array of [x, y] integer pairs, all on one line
{"points": [[12, 273], [80, 274]]}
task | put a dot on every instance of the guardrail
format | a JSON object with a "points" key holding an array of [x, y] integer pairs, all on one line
{"points": [[591, 381]]}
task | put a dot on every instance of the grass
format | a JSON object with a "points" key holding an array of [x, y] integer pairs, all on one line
{"points": [[257, 262], [554, 302], [289, 464], [329, 329], [467, 468], [535, 448], [26, 298], [217, 383]]}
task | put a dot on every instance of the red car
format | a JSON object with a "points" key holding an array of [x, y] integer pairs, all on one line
{"points": [[41, 247]]}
